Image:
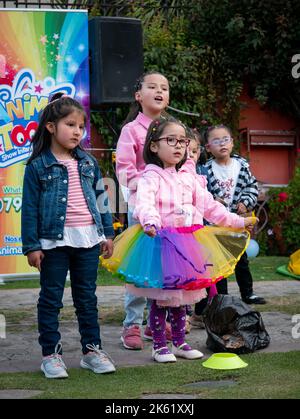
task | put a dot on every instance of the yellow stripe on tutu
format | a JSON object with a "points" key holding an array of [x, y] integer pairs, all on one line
{"points": [[223, 246], [122, 244]]}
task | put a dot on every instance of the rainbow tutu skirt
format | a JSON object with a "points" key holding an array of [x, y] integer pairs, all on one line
{"points": [[183, 258]]}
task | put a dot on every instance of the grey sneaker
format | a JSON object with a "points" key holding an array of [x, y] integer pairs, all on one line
{"points": [[97, 360], [53, 366]]}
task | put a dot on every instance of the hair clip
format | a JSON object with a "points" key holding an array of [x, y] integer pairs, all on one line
{"points": [[156, 123], [59, 98]]}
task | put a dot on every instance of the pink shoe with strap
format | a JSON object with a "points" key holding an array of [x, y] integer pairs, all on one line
{"points": [[131, 338]]}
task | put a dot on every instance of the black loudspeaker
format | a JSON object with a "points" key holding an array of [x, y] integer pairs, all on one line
{"points": [[116, 59]]}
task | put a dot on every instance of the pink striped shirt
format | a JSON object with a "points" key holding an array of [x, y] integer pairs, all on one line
{"points": [[78, 213]]}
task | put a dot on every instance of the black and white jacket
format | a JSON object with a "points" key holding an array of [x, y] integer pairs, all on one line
{"points": [[246, 190]]}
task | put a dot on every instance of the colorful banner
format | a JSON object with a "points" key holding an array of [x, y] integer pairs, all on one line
{"points": [[41, 52]]}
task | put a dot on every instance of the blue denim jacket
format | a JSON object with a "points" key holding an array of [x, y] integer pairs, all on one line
{"points": [[45, 195]]}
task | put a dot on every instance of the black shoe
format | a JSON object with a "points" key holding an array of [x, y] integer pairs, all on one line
{"points": [[254, 299]]}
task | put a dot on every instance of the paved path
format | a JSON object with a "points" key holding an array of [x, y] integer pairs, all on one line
{"points": [[20, 351], [115, 294]]}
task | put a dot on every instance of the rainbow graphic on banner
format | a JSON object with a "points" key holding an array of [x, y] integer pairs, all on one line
{"points": [[41, 52]]}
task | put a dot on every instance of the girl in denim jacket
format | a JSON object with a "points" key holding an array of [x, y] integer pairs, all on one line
{"points": [[63, 230]]}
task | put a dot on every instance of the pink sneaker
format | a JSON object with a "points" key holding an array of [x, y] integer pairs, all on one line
{"points": [[148, 333], [131, 337]]}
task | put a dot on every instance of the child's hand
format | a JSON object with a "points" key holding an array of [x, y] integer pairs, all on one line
{"points": [[250, 222], [150, 230], [241, 209], [107, 248], [35, 259]]}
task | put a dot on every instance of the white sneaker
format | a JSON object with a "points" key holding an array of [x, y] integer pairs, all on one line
{"points": [[185, 351], [53, 366], [97, 360], [163, 355]]}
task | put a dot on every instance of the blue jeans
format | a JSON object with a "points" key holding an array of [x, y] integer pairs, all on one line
{"points": [[82, 264], [134, 306]]}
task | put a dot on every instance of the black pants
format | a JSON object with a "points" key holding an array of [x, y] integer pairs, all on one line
{"points": [[243, 278]]}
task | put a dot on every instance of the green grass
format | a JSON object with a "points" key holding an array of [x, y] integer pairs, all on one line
{"points": [[262, 268], [285, 304], [268, 376], [104, 278]]}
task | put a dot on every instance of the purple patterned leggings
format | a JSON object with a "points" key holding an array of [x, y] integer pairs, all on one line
{"points": [[158, 324]]}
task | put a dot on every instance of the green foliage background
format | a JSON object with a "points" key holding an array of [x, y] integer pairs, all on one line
{"points": [[286, 214], [210, 51]]}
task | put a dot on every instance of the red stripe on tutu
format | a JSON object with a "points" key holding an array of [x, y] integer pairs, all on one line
{"points": [[200, 283]]}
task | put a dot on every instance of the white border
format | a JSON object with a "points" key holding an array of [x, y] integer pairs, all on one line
{"points": [[10, 9]]}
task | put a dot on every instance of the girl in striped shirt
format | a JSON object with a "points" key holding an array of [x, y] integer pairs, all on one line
{"points": [[66, 223]]}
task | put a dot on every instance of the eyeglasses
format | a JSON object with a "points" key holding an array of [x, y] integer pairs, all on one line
{"points": [[173, 141], [219, 141]]}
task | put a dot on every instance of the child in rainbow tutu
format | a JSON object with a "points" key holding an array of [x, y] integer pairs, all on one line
{"points": [[170, 257]]}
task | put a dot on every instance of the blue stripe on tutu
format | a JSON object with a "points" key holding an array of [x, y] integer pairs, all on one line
{"points": [[143, 260]]}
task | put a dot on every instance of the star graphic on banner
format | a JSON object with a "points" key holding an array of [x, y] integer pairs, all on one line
{"points": [[58, 57], [56, 36], [44, 39], [38, 89]]}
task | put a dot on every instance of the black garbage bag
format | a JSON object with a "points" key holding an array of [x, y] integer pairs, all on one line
{"points": [[232, 326]]}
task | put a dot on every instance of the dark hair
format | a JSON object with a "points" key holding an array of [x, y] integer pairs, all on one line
{"points": [[210, 129], [203, 155], [135, 107], [190, 133], [58, 107], [155, 131]]}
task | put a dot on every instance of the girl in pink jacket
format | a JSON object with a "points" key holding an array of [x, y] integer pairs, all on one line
{"points": [[151, 99], [170, 257]]}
